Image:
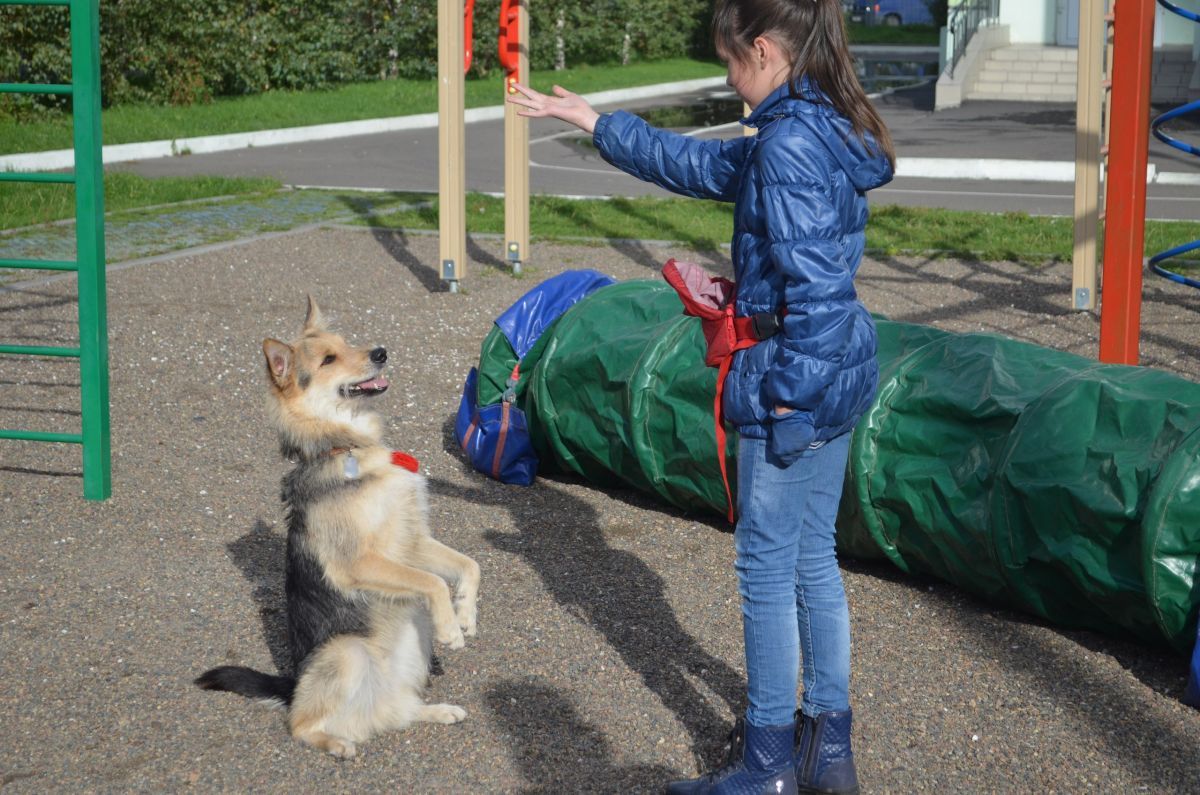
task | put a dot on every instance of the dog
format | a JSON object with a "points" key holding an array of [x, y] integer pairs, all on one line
{"points": [[366, 583]]}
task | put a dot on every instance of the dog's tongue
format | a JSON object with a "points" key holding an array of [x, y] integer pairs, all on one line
{"points": [[377, 384]]}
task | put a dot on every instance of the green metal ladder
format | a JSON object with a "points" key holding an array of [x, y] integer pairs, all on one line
{"points": [[88, 178]]}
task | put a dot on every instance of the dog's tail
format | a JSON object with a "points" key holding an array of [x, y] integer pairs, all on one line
{"points": [[274, 691]]}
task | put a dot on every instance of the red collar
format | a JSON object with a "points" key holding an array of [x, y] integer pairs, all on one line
{"points": [[398, 458], [405, 460]]}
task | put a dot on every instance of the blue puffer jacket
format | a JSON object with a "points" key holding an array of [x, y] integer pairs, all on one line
{"points": [[799, 216]]}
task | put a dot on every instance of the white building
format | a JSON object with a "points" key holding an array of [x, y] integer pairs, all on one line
{"points": [[1028, 54]]}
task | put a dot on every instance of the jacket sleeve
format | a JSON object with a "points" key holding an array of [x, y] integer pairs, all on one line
{"points": [[681, 164], [805, 234]]}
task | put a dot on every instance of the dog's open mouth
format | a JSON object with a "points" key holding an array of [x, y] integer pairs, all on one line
{"points": [[372, 386]]}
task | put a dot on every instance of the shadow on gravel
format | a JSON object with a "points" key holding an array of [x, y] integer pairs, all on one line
{"points": [[16, 328], [42, 472], [1118, 720], [35, 300], [260, 554], [395, 243], [621, 597], [1068, 679], [555, 748], [716, 263], [640, 252], [996, 287]]}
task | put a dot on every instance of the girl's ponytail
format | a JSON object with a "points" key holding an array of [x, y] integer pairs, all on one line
{"points": [[813, 33]]}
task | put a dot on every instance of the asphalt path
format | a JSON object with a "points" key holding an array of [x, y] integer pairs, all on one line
{"points": [[563, 162]]}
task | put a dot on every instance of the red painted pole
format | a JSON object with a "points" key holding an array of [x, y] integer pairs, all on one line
{"points": [[1125, 202]]}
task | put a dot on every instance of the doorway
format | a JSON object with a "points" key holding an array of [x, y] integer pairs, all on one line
{"points": [[1066, 33]]}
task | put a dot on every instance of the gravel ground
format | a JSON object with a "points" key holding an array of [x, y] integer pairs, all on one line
{"points": [[609, 655]]}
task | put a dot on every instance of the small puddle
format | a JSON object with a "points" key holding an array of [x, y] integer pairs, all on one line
{"points": [[723, 107], [877, 75]]}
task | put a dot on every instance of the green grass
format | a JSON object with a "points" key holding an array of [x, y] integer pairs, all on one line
{"points": [[704, 225], [692, 223], [696, 224], [278, 109], [887, 34], [26, 204]]}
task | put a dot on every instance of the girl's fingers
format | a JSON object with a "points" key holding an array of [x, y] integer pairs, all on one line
{"points": [[529, 92], [562, 105], [517, 99]]}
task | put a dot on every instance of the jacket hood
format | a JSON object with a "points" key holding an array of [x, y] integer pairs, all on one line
{"points": [[866, 166]]}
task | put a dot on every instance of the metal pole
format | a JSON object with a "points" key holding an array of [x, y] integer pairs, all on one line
{"points": [[1125, 213], [452, 176], [89, 237]]}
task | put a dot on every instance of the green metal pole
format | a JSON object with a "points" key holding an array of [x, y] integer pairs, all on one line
{"points": [[89, 236]]}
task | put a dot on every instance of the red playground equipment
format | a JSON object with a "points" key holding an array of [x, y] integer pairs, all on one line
{"points": [[1125, 198]]}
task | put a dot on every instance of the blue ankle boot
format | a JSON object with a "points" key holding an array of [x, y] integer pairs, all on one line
{"points": [[824, 761], [760, 762]]}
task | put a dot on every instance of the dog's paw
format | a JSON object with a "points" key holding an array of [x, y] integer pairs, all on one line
{"points": [[337, 746], [342, 749], [452, 636], [467, 618], [442, 713]]}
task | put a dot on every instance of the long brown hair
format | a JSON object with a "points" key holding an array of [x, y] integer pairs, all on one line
{"points": [[813, 33]]}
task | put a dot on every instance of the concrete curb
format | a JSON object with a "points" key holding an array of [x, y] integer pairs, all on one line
{"points": [[920, 167], [1017, 170], [119, 153]]}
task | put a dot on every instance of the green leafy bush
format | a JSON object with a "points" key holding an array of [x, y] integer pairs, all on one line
{"points": [[178, 54]]}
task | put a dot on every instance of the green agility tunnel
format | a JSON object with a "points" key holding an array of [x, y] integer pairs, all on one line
{"points": [[1034, 478]]}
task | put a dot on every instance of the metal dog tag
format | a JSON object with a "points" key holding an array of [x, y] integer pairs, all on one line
{"points": [[350, 467]]}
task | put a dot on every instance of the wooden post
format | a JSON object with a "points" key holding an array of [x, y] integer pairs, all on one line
{"points": [[516, 148], [1088, 104], [1125, 182], [452, 177]]}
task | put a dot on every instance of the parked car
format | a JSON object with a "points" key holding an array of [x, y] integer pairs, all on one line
{"points": [[855, 10], [892, 12]]}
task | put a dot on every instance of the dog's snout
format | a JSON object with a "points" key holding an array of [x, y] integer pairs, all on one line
{"points": [[379, 355]]}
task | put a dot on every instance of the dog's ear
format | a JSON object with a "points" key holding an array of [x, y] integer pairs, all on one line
{"points": [[280, 362], [313, 319]]}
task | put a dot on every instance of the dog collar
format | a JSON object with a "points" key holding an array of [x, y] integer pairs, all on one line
{"points": [[403, 460]]}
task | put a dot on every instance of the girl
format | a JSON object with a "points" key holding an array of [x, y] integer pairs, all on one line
{"points": [[799, 212]]}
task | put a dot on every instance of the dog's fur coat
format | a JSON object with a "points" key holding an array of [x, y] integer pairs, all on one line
{"points": [[366, 583]]}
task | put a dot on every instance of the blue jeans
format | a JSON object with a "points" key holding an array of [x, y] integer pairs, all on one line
{"points": [[788, 577]]}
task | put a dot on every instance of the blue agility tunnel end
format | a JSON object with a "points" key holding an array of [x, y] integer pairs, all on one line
{"points": [[1191, 695]]}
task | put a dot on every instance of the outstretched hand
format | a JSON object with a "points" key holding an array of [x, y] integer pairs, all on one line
{"points": [[564, 105]]}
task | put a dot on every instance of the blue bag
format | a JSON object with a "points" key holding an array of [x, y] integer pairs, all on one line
{"points": [[1191, 695], [496, 437]]}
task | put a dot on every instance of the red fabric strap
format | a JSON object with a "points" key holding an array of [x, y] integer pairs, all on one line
{"points": [[712, 299], [719, 417], [496, 459]]}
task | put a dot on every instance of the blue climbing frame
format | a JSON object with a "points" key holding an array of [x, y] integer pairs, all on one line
{"points": [[1156, 128]]}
